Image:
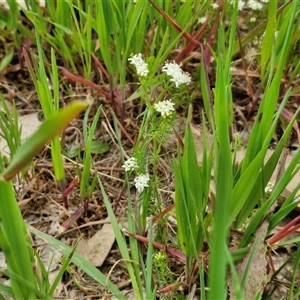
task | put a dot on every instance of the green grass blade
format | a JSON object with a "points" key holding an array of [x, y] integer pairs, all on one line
{"points": [[87, 160], [81, 262], [288, 206], [223, 170], [62, 270], [263, 211], [235, 279], [245, 200], [150, 293], [13, 239], [105, 22], [190, 200], [7, 290], [121, 243], [264, 117], [268, 37]]}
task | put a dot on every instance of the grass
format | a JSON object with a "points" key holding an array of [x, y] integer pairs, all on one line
{"points": [[222, 216]]}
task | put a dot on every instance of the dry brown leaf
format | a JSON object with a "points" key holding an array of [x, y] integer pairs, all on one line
{"points": [[257, 277], [96, 249]]}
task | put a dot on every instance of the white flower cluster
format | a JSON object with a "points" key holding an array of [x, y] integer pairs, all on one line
{"points": [[202, 20], [140, 65], [255, 5], [252, 4], [178, 76], [269, 187], [241, 4], [130, 164], [171, 68], [142, 180], [164, 107]]}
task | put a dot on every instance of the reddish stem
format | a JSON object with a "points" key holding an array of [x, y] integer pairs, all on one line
{"points": [[190, 47], [68, 190], [80, 79], [211, 38], [98, 63], [79, 211], [164, 212], [169, 288], [283, 232], [170, 250], [175, 25], [73, 183]]}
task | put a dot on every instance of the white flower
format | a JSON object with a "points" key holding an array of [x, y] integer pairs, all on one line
{"points": [[202, 20], [215, 5], [232, 69], [241, 4], [140, 65], [253, 19], [164, 107], [269, 188], [178, 76], [255, 5], [130, 164], [141, 182]]}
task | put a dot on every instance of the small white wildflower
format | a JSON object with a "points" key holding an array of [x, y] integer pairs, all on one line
{"points": [[178, 76], [256, 41], [202, 20], [241, 4], [130, 164], [140, 65], [264, 1], [253, 19], [255, 5], [141, 182], [232, 69], [215, 5], [164, 107], [269, 188]]}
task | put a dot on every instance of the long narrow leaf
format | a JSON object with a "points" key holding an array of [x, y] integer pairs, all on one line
{"points": [[79, 261], [47, 131]]}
